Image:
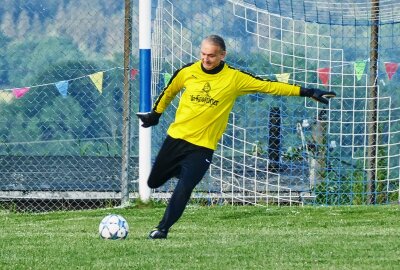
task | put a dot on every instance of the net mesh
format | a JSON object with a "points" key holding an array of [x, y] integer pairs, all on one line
{"points": [[62, 101]]}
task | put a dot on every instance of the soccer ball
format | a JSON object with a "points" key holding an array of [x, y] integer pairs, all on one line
{"points": [[113, 227]]}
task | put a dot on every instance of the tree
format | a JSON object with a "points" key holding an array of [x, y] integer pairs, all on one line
{"points": [[23, 24], [7, 25], [36, 26], [3, 64], [29, 58]]}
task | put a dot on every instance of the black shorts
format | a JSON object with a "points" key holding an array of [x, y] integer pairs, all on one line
{"points": [[181, 159]]}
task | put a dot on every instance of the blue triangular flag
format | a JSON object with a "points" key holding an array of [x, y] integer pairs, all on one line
{"points": [[62, 87]]}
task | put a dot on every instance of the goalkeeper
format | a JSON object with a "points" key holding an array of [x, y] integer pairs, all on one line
{"points": [[210, 87]]}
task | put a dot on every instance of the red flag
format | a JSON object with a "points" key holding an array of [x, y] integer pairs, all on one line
{"points": [[391, 69], [20, 92], [323, 74], [134, 72]]}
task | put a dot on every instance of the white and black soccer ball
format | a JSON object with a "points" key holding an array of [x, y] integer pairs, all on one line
{"points": [[113, 227]]}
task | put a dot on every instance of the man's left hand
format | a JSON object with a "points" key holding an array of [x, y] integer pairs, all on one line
{"points": [[317, 94]]}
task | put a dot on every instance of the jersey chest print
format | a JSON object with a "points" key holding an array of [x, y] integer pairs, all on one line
{"points": [[204, 96]]}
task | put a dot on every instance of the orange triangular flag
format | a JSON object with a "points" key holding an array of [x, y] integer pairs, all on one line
{"points": [[97, 79], [323, 74], [391, 69]]}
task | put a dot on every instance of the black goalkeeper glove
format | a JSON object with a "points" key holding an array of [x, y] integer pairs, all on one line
{"points": [[149, 119], [318, 95]]}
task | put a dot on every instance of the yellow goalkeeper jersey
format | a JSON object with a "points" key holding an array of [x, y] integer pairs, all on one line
{"points": [[208, 98]]}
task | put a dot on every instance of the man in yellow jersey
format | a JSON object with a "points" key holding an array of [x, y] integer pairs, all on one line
{"points": [[210, 89]]}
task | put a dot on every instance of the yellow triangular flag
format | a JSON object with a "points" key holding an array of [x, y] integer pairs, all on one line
{"points": [[284, 77], [97, 79], [6, 96]]}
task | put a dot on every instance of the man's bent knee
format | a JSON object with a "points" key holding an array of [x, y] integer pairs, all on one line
{"points": [[152, 185], [155, 183]]}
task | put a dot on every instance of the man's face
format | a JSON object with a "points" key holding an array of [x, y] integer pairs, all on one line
{"points": [[211, 55]]}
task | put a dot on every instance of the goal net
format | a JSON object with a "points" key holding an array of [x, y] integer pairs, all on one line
{"points": [[294, 150]]}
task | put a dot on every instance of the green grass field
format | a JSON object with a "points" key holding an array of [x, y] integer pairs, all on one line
{"points": [[219, 237]]}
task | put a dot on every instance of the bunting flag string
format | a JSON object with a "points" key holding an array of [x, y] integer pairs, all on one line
{"points": [[7, 95]]}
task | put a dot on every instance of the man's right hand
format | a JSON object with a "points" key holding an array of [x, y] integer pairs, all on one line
{"points": [[149, 119]]}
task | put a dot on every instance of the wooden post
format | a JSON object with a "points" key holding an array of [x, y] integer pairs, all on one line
{"points": [[126, 105], [373, 103]]}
